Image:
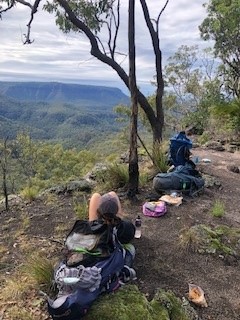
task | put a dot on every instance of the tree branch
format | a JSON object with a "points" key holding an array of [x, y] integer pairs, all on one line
{"points": [[33, 11], [95, 51], [8, 8], [160, 13]]}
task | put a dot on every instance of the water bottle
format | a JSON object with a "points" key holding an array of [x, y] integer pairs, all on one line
{"points": [[138, 224]]}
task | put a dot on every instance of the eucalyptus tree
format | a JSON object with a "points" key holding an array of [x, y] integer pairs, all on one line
{"points": [[222, 25], [133, 154], [93, 19], [4, 166], [193, 85]]}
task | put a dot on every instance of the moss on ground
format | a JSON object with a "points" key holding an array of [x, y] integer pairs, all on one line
{"points": [[128, 303]]}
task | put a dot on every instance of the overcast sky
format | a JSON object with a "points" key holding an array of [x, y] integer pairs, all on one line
{"points": [[54, 56]]}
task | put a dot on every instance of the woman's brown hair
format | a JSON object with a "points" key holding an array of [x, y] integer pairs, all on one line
{"points": [[108, 210]]}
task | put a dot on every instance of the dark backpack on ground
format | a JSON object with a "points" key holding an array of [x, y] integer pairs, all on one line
{"points": [[74, 306], [179, 150], [88, 243], [184, 178]]}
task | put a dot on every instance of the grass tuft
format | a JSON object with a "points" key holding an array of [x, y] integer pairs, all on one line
{"points": [[189, 239], [81, 209], [41, 270], [160, 157], [218, 209], [29, 193], [114, 177]]}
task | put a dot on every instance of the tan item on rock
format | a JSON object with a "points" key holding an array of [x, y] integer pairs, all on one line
{"points": [[196, 295]]}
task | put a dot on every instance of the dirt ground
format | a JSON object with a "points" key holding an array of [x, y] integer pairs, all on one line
{"points": [[159, 263]]}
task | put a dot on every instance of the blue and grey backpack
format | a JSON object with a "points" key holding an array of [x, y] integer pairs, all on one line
{"points": [[180, 147], [80, 284]]}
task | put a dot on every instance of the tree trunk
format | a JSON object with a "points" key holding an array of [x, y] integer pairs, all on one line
{"points": [[133, 153], [158, 126], [4, 166]]}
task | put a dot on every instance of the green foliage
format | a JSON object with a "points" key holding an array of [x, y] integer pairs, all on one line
{"points": [[192, 86], [229, 113], [91, 13], [168, 306], [160, 157], [222, 26], [218, 209], [75, 124], [36, 165], [115, 176], [27, 154], [81, 208], [29, 193], [219, 240], [203, 138], [143, 178], [129, 303], [41, 270]]}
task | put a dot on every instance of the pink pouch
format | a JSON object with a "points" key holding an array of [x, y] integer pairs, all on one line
{"points": [[154, 208]]}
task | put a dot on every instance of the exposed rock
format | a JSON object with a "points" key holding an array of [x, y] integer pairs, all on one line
{"points": [[214, 145], [233, 168], [13, 200], [210, 181], [124, 157], [232, 147], [91, 175], [70, 187], [221, 240], [196, 145]]}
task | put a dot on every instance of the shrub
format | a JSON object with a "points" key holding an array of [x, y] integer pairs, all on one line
{"points": [[205, 137], [41, 270], [189, 239], [115, 176], [143, 178], [29, 193], [160, 157], [81, 209], [218, 209]]}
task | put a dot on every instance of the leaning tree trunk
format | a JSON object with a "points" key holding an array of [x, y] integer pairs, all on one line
{"points": [[156, 122], [133, 154], [157, 127]]}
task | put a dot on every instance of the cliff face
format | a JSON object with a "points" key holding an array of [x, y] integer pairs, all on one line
{"points": [[61, 92]]}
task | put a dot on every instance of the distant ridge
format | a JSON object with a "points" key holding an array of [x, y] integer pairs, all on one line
{"points": [[62, 92], [72, 114]]}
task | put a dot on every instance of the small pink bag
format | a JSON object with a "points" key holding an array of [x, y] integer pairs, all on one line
{"points": [[154, 208]]}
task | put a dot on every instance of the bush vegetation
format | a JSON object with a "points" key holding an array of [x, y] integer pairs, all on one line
{"points": [[218, 209]]}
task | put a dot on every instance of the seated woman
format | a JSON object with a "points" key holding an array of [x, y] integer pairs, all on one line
{"points": [[94, 240], [101, 267], [106, 210]]}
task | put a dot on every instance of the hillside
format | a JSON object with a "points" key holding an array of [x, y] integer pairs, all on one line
{"points": [[84, 95], [59, 112], [160, 261]]}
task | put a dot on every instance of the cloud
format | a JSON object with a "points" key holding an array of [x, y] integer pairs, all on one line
{"points": [[54, 56]]}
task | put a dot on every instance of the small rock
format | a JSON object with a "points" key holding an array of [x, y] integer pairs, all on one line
{"points": [[214, 145], [233, 168]]}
